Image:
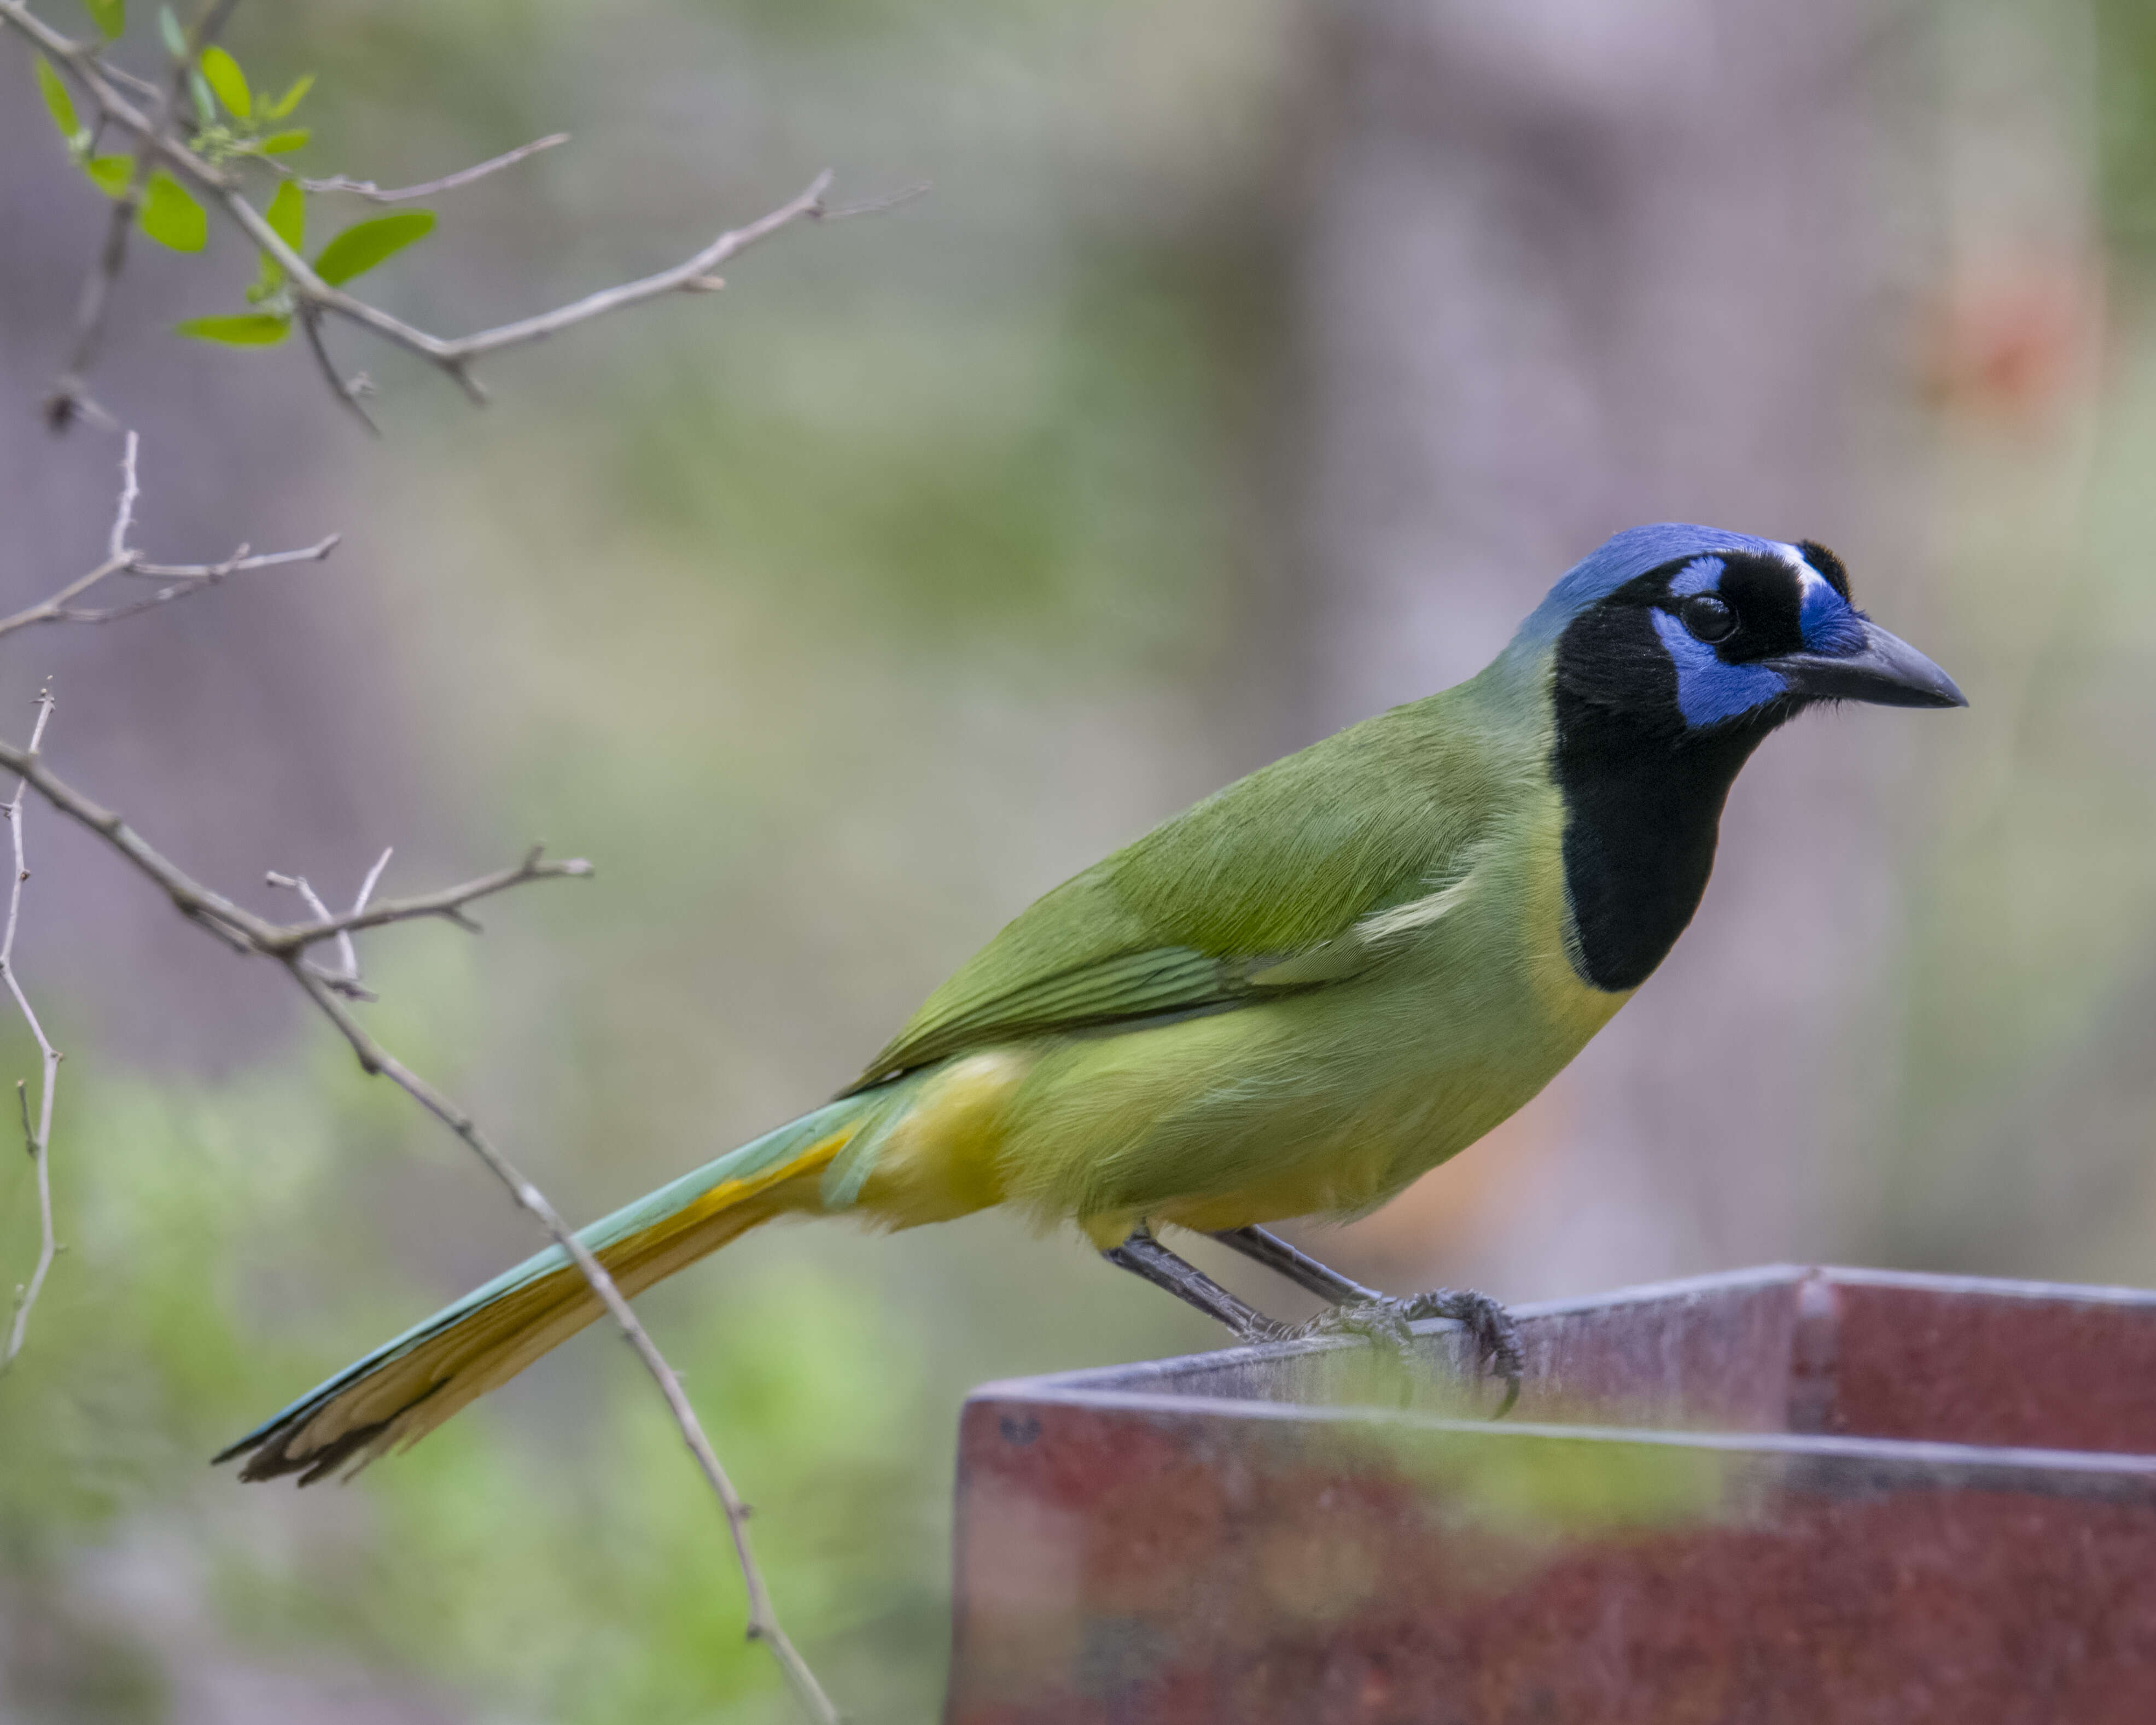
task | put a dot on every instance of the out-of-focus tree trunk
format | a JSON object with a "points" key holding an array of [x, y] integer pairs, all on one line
{"points": [[1564, 268]]}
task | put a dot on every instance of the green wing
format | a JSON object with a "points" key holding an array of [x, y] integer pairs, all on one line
{"points": [[1256, 892]]}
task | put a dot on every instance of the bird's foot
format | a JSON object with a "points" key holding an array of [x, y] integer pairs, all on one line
{"points": [[1489, 1327], [1385, 1321]]}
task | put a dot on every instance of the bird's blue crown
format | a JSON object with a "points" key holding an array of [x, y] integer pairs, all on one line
{"points": [[1626, 556], [1713, 686]]}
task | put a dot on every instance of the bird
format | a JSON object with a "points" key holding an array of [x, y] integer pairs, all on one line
{"points": [[1292, 999]]}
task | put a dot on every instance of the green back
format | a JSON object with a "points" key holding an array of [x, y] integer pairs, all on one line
{"points": [[1249, 892]]}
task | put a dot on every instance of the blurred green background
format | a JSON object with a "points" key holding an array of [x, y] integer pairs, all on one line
{"points": [[1248, 368]]}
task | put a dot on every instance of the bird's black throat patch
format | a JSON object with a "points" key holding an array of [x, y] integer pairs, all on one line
{"points": [[1643, 793]]}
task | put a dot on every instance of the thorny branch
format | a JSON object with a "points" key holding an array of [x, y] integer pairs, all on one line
{"points": [[84, 62], [345, 978], [289, 945], [36, 1138], [179, 579]]}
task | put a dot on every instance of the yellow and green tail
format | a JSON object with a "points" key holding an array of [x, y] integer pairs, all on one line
{"points": [[409, 1385]]}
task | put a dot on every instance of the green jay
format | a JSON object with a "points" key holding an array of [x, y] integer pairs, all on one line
{"points": [[1290, 1000]]}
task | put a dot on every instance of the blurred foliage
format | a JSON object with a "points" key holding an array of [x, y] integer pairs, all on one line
{"points": [[2126, 117]]}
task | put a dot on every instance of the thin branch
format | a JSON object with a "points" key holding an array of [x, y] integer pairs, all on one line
{"points": [[181, 579], [877, 206], [70, 399], [448, 182], [345, 978], [452, 356], [130, 493], [346, 390], [238, 927], [808, 204], [448, 904], [38, 1138]]}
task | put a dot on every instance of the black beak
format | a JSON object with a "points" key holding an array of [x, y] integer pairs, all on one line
{"points": [[1886, 670]]}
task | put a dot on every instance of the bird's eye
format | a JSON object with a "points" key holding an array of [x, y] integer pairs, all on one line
{"points": [[1707, 617]]}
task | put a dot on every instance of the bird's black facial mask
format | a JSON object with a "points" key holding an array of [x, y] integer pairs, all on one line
{"points": [[1662, 689]]}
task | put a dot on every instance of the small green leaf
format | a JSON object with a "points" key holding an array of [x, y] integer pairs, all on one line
{"points": [[172, 218], [58, 102], [111, 172], [205, 109], [110, 16], [287, 214], [365, 244], [229, 81], [254, 329], [175, 38], [291, 98], [281, 143]]}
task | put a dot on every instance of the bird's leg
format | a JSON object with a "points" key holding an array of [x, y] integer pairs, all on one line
{"points": [[1361, 1311], [1299, 1267], [1143, 1255]]}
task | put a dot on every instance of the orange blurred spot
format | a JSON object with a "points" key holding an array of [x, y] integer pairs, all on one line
{"points": [[2014, 340]]}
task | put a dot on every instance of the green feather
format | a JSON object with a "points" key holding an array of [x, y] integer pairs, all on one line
{"points": [[1256, 890]]}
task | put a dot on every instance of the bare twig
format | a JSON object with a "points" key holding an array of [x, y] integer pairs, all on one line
{"points": [[180, 579], [70, 399], [243, 929], [347, 390], [345, 978], [877, 206], [454, 356], [238, 927], [131, 494], [808, 204], [38, 1138], [448, 182], [449, 903]]}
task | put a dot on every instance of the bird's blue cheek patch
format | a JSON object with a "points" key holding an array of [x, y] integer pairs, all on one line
{"points": [[1709, 692], [1828, 622]]}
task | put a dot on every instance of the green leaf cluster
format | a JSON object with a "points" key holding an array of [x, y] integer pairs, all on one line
{"points": [[232, 118], [353, 251]]}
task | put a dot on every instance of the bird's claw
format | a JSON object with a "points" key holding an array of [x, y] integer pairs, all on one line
{"points": [[1387, 1322], [1488, 1325]]}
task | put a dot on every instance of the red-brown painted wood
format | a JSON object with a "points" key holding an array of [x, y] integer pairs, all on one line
{"points": [[1780, 1495]]}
